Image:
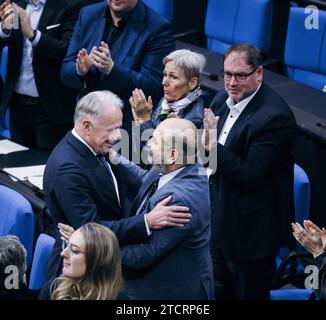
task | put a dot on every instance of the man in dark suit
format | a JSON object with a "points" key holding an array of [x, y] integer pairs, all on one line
{"points": [[119, 46], [80, 186], [174, 263], [41, 108], [253, 141]]}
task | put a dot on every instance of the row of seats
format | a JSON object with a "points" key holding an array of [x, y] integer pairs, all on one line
{"points": [[234, 21], [17, 218]]}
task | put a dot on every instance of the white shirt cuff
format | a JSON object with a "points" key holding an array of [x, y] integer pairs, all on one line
{"points": [[37, 38], [149, 232], [2, 34]]}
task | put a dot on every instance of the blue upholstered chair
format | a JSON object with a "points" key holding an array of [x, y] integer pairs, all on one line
{"points": [[287, 261], [41, 258], [4, 124], [234, 21], [305, 49], [291, 294], [165, 8], [17, 218]]}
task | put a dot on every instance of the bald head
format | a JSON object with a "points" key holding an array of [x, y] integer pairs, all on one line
{"points": [[174, 144]]}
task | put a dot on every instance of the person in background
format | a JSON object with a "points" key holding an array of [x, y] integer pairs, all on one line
{"points": [[182, 93], [118, 46], [91, 266], [13, 268], [37, 33], [250, 135], [313, 239]]}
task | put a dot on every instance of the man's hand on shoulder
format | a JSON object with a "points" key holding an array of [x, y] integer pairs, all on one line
{"points": [[164, 216]]}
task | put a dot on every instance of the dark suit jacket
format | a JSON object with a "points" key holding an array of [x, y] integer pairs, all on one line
{"points": [[252, 189], [137, 55], [78, 189], [59, 102], [174, 263]]}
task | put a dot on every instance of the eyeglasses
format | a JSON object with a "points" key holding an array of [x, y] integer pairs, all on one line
{"points": [[71, 248], [238, 76]]}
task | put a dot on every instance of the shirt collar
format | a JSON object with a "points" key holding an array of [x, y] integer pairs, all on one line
{"points": [[167, 177], [76, 135], [32, 3], [240, 106], [125, 19]]}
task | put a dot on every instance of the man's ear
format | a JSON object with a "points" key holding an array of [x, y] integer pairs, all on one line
{"points": [[260, 73], [173, 156], [86, 125]]}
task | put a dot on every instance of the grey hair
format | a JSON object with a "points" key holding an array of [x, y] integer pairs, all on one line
{"points": [[12, 252], [94, 103], [192, 63]]}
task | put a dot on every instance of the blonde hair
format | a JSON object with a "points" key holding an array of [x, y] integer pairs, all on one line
{"points": [[103, 277]]}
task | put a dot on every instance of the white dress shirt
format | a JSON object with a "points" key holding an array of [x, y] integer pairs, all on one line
{"points": [[26, 82], [234, 114]]}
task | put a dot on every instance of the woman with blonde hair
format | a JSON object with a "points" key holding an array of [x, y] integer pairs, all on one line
{"points": [[91, 266]]}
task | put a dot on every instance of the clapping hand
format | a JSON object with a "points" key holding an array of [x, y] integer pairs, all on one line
{"points": [[311, 237], [140, 107], [84, 61], [7, 14], [209, 137], [102, 59]]}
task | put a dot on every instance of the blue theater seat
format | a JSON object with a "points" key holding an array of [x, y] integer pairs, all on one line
{"points": [[165, 8], [41, 258], [234, 21], [17, 218], [287, 261], [4, 123], [291, 294], [305, 49]]}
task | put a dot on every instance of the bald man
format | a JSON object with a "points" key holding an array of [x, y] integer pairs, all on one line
{"points": [[175, 262]]}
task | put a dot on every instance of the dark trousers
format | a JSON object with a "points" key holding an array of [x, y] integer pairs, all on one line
{"points": [[250, 280], [30, 126]]}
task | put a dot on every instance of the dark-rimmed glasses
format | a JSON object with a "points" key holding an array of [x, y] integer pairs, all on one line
{"points": [[238, 76]]}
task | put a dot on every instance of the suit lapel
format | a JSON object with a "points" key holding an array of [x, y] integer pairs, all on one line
{"points": [[242, 121], [223, 115], [50, 9], [151, 176]]}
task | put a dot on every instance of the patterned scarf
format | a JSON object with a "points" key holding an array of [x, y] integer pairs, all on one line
{"points": [[178, 106]]}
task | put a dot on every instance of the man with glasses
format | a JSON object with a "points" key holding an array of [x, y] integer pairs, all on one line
{"points": [[251, 132]]}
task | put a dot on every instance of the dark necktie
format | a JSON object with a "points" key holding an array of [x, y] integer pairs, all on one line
{"points": [[148, 195], [105, 164]]}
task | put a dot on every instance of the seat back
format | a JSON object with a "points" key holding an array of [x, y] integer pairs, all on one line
{"points": [[234, 21], [17, 218], [305, 49], [4, 125], [164, 8], [291, 294], [301, 194], [287, 265], [41, 258]]}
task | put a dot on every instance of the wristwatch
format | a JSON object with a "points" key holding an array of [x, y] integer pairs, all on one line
{"points": [[34, 36]]}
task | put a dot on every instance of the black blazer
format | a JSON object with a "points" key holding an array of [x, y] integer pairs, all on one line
{"points": [[252, 189], [78, 189], [58, 101]]}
